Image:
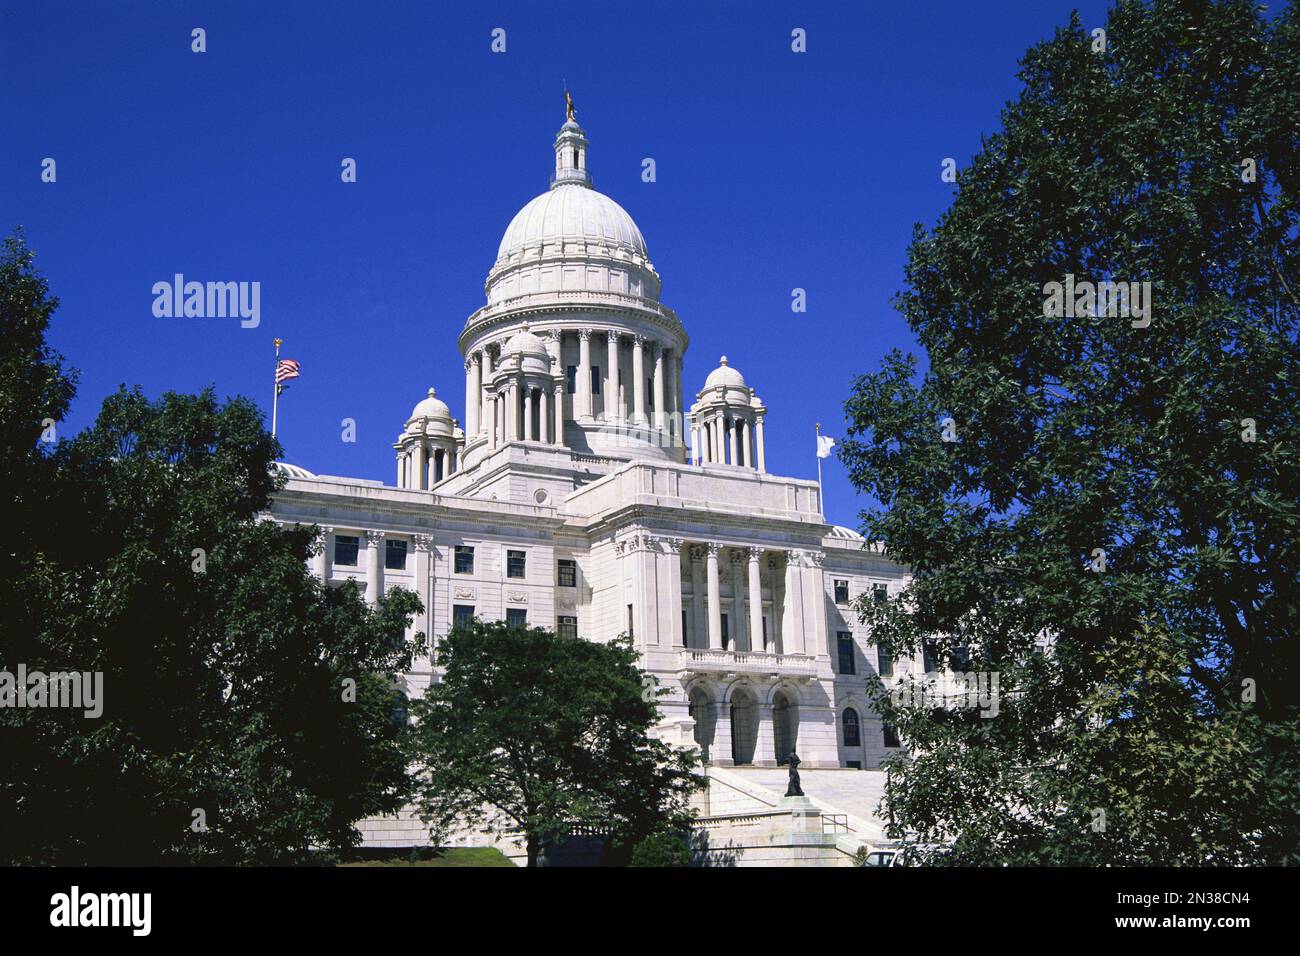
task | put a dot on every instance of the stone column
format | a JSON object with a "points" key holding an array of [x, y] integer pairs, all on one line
{"points": [[739, 632], [494, 416], [670, 578], [731, 440], [321, 562], [559, 412], [473, 394], [816, 597], [678, 424], [528, 412], [792, 615], [661, 413], [715, 597], [638, 380], [699, 621], [583, 391], [776, 640], [762, 459], [424, 622], [374, 566], [719, 452], [755, 600], [421, 481], [617, 363], [543, 413], [511, 414], [695, 444], [488, 395], [611, 374]]}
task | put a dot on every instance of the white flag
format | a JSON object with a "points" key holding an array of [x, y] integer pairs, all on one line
{"points": [[824, 445]]}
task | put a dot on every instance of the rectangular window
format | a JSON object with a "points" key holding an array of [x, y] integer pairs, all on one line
{"points": [[571, 378], [394, 555], [726, 632], [841, 591], [685, 639], [516, 616], [464, 559], [516, 564], [595, 380], [880, 593], [891, 735], [462, 615], [566, 626], [930, 657], [566, 575], [345, 549], [884, 661], [630, 631], [844, 640]]}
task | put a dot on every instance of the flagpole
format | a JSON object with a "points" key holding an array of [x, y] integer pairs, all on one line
{"points": [[821, 495], [275, 402]]}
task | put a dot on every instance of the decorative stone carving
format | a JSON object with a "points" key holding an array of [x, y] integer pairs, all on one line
{"points": [[423, 542], [516, 597], [375, 538], [462, 592]]}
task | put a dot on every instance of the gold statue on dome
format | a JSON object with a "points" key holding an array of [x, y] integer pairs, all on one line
{"points": [[570, 111]]}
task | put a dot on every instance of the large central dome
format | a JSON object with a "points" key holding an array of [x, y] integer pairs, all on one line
{"points": [[572, 239], [571, 211]]}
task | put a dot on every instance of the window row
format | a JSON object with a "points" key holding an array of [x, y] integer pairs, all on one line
{"points": [[347, 552], [462, 615], [879, 592], [848, 663]]}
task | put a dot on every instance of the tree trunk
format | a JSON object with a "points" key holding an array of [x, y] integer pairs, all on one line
{"points": [[534, 845]]}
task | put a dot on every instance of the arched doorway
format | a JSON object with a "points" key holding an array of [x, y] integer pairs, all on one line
{"points": [[744, 727], [701, 710], [785, 727]]}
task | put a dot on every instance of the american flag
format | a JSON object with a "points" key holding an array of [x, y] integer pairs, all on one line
{"points": [[285, 369]]}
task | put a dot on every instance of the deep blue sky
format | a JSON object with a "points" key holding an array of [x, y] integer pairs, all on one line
{"points": [[775, 170]]}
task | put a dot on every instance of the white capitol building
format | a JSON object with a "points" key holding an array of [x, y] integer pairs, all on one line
{"points": [[585, 489]]}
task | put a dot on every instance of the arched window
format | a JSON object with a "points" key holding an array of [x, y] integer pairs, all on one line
{"points": [[852, 729]]}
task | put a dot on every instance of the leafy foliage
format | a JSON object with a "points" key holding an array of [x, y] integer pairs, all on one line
{"points": [[222, 676], [532, 731], [1168, 700]]}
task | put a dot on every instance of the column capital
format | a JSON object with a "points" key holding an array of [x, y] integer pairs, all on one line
{"points": [[423, 542], [326, 528], [639, 340], [469, 363], [374, 537], [613, 335], [697, 552], [584, 334], [753, 554], [712, 547], [674, 544]]}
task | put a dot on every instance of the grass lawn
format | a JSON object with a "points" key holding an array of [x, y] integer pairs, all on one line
{"points": [[443, 856]]}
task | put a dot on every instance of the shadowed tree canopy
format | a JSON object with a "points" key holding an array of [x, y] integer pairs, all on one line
{"points": [[135, 550], [1129, 492], [533, 732]]}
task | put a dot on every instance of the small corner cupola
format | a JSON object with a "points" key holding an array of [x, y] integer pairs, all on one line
{"points": [[570, 150]]}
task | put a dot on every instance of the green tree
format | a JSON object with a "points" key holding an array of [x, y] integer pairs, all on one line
{"points": [[140, 553], [532, 731], [1129, 492]]}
